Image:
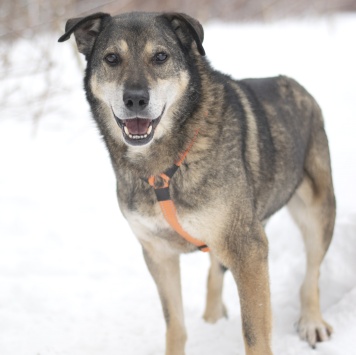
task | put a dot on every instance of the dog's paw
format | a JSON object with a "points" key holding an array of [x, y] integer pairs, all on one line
{"points": [[213, 314], [313, 330]]}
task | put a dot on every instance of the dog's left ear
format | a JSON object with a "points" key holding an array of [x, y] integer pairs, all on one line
{"points": [[86, 30], [187, 28]]}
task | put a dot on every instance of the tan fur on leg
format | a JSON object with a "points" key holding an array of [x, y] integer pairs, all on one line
{"points": [[247, 258], [314, 216], [165, 271], [215, 308]]}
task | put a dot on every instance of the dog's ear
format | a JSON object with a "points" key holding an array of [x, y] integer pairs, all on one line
{"points": [[85, 30], [187, 29]]}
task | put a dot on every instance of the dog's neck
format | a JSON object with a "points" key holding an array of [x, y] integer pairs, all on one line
{"points": [[159, 155]]}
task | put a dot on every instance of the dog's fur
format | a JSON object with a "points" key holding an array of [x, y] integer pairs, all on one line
{"points": [[261, 146]]}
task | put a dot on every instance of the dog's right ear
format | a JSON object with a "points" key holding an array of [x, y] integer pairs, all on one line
{"points": [[85, 30]]}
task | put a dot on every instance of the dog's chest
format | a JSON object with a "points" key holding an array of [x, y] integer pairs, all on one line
{"points": [[199, 209], [200, 222]]}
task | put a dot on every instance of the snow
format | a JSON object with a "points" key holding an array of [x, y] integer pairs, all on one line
{"points": [[72, 277]]}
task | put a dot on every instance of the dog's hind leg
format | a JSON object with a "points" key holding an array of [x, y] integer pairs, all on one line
{"points": [[165, 270], [313, 209], [215, 308]]}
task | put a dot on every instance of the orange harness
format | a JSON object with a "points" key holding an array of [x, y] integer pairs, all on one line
{"points": [[161, 187]]}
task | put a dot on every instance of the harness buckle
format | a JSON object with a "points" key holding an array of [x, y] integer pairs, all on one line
{"points": [[160, 181]]}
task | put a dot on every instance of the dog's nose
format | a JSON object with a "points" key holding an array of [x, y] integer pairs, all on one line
{"points": [[136, 99]]}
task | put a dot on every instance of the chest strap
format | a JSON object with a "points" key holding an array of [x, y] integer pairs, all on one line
{"points": [[160, 183]]}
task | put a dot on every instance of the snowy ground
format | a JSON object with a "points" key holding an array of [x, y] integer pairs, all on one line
{"points": [[72, 278]]}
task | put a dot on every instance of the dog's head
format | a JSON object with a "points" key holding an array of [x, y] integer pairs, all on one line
{"points": [[139, 76]]}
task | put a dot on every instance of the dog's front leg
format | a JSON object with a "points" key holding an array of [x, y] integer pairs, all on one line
{"points": [[165, 271], [245, 253]]}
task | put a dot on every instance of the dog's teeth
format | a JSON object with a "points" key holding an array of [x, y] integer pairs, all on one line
{"points": [[136, 136]]}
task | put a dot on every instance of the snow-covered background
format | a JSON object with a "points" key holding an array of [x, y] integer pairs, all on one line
{"points": [[72, 278]]}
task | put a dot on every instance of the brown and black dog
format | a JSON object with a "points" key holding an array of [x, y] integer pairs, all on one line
{"points": [[252, 146]]}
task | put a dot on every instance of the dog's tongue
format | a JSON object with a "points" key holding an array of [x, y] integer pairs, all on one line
{"points": [[137, 125]]}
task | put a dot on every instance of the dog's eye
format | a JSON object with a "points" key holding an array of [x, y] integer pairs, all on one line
{"points": [[112, 59], [160, 57]]}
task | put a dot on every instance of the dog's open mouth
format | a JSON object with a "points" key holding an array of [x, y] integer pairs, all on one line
{"points": [[138, 131]]}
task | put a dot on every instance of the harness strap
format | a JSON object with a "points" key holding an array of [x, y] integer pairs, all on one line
{"points": [[161, 187]]}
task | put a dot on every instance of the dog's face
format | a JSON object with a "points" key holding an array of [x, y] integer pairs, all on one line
{"points": [[139, 69]]}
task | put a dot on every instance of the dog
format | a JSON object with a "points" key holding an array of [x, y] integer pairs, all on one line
{"points": [[202, 161]]}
